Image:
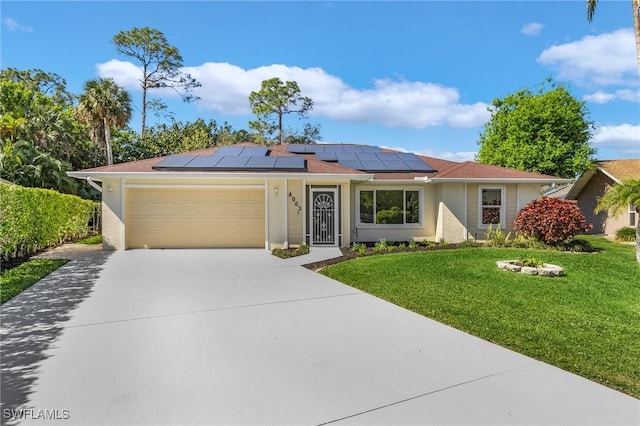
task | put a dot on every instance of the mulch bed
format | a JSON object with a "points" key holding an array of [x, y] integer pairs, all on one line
{"points": [[348, 254]]}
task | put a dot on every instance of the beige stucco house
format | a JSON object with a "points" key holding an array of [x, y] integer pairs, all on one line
{"points": [[322, 195], [592, 185]]}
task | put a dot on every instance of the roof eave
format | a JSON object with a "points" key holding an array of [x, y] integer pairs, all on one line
{"points": [[541, 181], [100, 176]]}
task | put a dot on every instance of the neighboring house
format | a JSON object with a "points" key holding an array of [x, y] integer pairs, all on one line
{"points": [[248, 195], [594, 183]]}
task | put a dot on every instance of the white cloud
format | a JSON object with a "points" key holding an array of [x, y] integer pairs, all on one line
{"points": [[600, 60], [392, 102], [532, 29], [601, 97], [625, 138], [13, 25]]}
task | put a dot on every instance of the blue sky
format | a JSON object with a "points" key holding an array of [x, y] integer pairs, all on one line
{"points": [[411, 75]]}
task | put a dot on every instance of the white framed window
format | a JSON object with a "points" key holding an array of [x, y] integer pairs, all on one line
{"points": [[632, 215], [491, 206], [389, 207]]}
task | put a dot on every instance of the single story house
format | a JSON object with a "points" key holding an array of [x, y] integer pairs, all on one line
{"points": [[249, 195], [593, 184]]}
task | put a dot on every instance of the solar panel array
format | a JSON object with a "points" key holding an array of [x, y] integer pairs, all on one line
{"points": [[380, 161], [317, 148], [365, 158], [233, 158]]}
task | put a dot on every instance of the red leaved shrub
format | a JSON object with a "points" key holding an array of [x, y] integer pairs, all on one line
{"points": [[550, 220]]}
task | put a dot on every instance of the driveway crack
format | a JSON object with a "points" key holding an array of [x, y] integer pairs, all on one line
{"points": [[429, 393], [226, 308]]}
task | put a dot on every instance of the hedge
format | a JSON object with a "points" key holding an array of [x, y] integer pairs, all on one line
{"points": [[32, 219]]}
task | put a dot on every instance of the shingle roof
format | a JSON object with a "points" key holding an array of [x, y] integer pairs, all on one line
{"points": [[445, 169], [621, 169]]}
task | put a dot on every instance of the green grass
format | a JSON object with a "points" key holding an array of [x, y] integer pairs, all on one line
{"points": [[587, 322], [96, 239], [16, 280]]}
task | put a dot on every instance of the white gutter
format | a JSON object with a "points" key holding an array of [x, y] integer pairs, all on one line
{"points": [[186, 175], [500, 180], [93, 184]]}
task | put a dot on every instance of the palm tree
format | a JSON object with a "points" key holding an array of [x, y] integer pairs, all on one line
{"points": [[635, 7], [104, 104], [618, 198]]}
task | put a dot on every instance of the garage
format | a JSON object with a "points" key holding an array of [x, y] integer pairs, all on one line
{"points": [[179, 217]]}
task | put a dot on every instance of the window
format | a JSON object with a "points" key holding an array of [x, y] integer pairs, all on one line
{"points": [[632, 215], [389, 207], [491, 207]]}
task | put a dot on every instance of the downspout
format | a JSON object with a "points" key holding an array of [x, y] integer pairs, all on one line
{"points": [[93, 184]]}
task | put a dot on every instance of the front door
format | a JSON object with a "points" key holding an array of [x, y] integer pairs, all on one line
{"points": [[324, 217]]}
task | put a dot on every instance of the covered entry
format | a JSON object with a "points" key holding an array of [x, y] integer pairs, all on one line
{"points": [[190, 217]]}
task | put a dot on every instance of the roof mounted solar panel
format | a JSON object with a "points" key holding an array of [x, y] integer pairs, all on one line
{"points": [[232, 162], [255, 151], [203, 162], [174, 161], [261, 163], [297, 148], [352, 164], [369, 148], [369, 156], [327, 156], [396, 166], [419, 166], [290, 163], [373, 165], [229, 150]]}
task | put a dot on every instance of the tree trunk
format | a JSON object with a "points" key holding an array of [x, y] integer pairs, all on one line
{"points": [[280, 127], [635, 4], [144, 101], [144, 112], [107, 142]]}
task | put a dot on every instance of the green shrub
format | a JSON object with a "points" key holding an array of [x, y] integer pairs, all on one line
{"points": [[32, 219], [302, 249], [626, 234], [497, 237], [531, 261], [413, 244]]}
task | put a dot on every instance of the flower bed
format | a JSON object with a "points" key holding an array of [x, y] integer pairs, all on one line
{"points": [[545, 270]]}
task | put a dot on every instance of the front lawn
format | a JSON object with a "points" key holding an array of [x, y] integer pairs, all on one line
{"points": [[587, 322], [15, 281]]}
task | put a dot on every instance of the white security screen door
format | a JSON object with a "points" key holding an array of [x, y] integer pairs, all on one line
{"points": [[324, 217]]}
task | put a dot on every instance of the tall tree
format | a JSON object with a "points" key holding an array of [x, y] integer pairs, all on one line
{"points": [[47, 83], [273, 101], [48, 122], [635, 11], [618, 199], [161, 64], [545, 132], [102, 105]]}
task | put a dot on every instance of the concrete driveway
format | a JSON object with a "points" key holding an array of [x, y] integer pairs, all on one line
{"points": [[241, 337]]}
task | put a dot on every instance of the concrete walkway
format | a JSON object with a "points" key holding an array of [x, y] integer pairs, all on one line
{"points": [[242, 337]]}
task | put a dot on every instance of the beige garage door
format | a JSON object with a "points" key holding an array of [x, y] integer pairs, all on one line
{"points": [[194, 218]]}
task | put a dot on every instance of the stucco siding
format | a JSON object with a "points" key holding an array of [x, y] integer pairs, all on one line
{"points": [[295, 211], [588, 199], [112, 215], [452, 213]]}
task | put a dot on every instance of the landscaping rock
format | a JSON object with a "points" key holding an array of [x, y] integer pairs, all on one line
{"points": [[547, 270], [514, 268]]}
